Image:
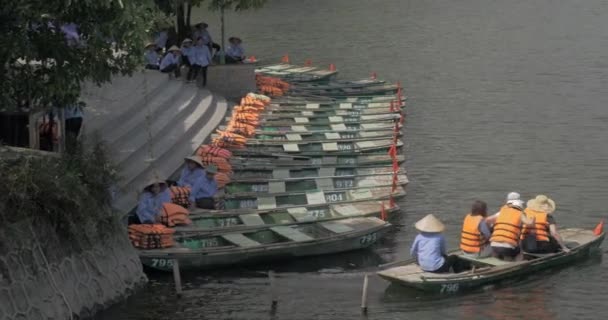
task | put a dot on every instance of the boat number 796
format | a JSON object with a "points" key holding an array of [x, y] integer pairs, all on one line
{"points": [[449, 288]]}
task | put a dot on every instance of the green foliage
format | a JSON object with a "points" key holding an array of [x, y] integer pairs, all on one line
{"points": [[40, 67], [71, 192]]}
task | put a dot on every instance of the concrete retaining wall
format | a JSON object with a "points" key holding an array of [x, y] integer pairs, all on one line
{"points": [[43, 277], [232, 81]]}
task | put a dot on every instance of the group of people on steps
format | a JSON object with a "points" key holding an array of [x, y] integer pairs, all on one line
{"points": [[514, 229], [195, 176], [195, 54]]}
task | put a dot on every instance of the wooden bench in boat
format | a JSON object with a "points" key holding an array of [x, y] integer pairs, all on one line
{"points": [[240, 240], [490, 261], [292, 234]]}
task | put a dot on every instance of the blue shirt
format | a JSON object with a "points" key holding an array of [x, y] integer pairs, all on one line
{"points": [[151, 57], [204, 188], [484, 229], [149, 205], [187, 51], [200, 56], [73, 112], [235, 51], [429, 249], [168, 60], [189, 178]]}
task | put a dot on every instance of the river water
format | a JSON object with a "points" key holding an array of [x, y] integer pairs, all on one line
{"points": [[503, 96]]}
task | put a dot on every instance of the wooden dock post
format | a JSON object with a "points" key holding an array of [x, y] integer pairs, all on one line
{"points": [[177, 277], [273, 294], [364, 296]]}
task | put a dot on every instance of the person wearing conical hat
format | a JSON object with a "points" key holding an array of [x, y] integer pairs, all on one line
{"points": [[543, 237], [192, 172], [155, 193], [151, 56], [508, 227], [429, 247], [170, 63], [204, 190], [235, 52]]}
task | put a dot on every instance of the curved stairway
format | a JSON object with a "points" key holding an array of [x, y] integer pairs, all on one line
{"points": [[150, 123]]}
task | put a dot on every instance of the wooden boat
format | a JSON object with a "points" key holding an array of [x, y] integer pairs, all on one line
{"points": [[203, 251], [303, 99], [296, 173], [492, 270], [251, 201], [213, 222], [271, 162], [295, 73], [280, 138], [327, 128], [380, 89], [278, 113], [331, 106], [289, 121], [338, 84], [288, 186], [304, 148]]}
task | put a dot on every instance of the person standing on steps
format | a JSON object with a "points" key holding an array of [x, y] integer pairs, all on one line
{"points": [[170, 62], [201, 58]]}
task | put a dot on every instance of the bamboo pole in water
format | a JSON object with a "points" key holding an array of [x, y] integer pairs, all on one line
{"points": [[177, 277], [364, 295], [273, 296]]}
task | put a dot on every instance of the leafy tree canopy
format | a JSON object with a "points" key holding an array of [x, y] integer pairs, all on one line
{"points": [[44, 60]]}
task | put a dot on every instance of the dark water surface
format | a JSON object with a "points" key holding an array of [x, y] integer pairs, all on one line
{"points": [[503, 96]]}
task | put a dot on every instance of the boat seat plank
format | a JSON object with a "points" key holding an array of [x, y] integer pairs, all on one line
{"points": [[360, 194], [293, 147], [315, 197], [348, 210], [336, 119], [301, 214], [252, 219], [332, 135], [267, 202], [280, 173], [240, 240], [346, 105], [291, 234], [325, 183], [327, 172], [492, 261], [307, 113], [330, 146], [300, 120], [276, 186], [293, 137], [336, 227], [312, 106], [299, 129], [330, 160], [338, 127]]}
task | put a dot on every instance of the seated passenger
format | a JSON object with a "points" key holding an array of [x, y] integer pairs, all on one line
{"points": [[204, 190], [505, 240], [235, 52], [170, 63], [152, 57], [151, 201], [429, 248], [543, 237], [192, 172], [474, 239]]}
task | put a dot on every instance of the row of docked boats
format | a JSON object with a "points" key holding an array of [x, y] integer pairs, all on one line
{"points": [[313, 171]]}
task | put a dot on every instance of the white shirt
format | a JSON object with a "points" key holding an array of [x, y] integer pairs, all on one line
{"points": [[168, 60]]}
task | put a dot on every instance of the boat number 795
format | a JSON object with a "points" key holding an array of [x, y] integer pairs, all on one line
{"points": [[369, 238], [162, 263]]}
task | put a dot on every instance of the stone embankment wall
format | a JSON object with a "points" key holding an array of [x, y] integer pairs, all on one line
{"points": [[45, 277]]}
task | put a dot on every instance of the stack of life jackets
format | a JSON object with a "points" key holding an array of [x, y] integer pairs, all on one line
{"points": [[222, 179], [207, 150], [272, 86], [172, 215], [151, 236], [180, 196]]}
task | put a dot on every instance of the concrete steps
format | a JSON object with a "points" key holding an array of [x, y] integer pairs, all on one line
{"points": [[172, 121]]}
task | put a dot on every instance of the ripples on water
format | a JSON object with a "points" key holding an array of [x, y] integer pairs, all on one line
{"points": [[503, 95]]}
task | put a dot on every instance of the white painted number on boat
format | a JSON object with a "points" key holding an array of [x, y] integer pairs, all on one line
{"points": [[449, 288], [348, 135], [347, 183], [352, 128], [354, 113], [319, 213], [259, 187], [249, 203], [359, 106], [334, 197], [228, 222], [345, 146], [351, 119], [162, 263], [368, 239]]}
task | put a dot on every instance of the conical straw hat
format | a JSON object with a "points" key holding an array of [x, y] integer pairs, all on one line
{"points": [[429, 224], [542, 203], [173, 48], [196, 159], [153, 181]]}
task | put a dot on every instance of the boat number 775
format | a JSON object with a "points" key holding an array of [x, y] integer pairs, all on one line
{"points": [[449, 288]]}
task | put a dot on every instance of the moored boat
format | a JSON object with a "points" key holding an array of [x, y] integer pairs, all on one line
{"points": [[328, 128], [286, 120], [379, 89], [485, 271], [280, 161], [306, 148], [204, 251], [351, 136], [251, 201], [296, 173], [336, 84]]}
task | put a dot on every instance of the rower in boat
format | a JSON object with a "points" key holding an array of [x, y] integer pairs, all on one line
{"points": [[429, 247], [475, 235], [205, 189], [505, 240], [148, 210], [543, 237]]}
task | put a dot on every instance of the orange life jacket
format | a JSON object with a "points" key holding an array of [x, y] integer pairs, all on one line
{"points": [[541, 225], [471, 239], [508, 226]]}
